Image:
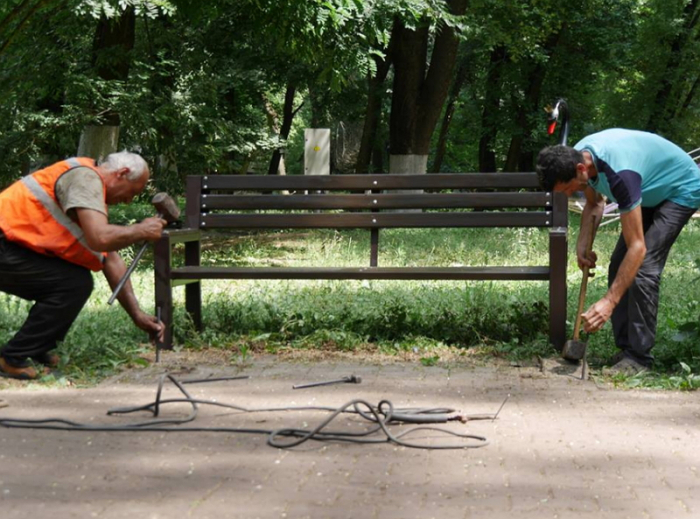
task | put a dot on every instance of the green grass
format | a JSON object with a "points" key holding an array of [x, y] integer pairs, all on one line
{"points": [[501, 318]]}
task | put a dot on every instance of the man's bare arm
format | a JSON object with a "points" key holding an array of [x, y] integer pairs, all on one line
{"points": [[102, 236], [114, 269], [595, 204], [633, 232]]}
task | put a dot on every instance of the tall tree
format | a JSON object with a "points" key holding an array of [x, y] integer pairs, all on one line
{"points": [[420, 86], [373, 113], [519, 159], [493, 93], [112, 44], [678, 83], [460, 78]]}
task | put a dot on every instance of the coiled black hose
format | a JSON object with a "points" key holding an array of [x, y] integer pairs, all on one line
{"points": [[380, 416]]}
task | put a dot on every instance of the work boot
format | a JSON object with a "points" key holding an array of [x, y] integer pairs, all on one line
{"points": [[48, 359], [24, 372], [627, 366], [617, 357]]}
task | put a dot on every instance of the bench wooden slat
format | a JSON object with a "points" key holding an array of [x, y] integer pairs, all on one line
{"points": [[378, 182], [376, 201], [377, 220], [387, 273]]}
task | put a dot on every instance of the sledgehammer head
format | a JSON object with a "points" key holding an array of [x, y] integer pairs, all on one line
{"points": [[166, 207], [574, 350]]}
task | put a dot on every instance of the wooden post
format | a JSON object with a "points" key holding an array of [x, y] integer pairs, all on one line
{"points": [[558, 254], [164, 294]]}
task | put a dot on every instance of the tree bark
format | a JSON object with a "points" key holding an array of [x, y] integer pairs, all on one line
{"points": [[373, 113], [662, 110], [98, 141], [517, 158], [457, 84], [277, 166], [114, 37], [14, 14], [689, 97], [419, 89], [489, 114]]}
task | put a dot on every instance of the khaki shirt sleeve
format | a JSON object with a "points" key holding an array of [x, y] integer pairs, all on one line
{"points": [[80, 188]]}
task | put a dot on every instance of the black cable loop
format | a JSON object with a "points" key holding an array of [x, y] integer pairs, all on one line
{"points": [[381, 415]]}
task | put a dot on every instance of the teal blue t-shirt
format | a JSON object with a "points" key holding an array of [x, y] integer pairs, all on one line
{"points": [[640, 168]]}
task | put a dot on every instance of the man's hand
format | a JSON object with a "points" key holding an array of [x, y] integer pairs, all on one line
{"points": [[150, 325], [597, 315], [152, 228], [586, 260]]}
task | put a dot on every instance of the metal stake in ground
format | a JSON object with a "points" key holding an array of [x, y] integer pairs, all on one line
{"points": [[352, 379]]}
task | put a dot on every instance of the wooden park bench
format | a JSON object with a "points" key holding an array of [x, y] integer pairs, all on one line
{"points": [[373, 202]]}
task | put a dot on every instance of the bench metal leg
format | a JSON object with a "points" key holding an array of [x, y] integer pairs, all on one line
{"points": [[164, 294], [557, 286], [193, 290]]}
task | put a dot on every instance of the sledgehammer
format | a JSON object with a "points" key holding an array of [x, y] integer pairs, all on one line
{"points": [[167, 210], [575, 349]]}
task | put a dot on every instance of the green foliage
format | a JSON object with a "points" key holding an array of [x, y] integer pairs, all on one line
{"points": [[199, 71], [680, 379]]}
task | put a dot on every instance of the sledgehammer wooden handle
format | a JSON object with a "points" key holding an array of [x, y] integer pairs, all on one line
{"points": [[584, 281]]}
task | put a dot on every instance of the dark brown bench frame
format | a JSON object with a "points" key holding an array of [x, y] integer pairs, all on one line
{"points": [[370, 202]]}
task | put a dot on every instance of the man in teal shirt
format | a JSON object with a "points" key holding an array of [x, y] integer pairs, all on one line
{"points": [[657, 188]]}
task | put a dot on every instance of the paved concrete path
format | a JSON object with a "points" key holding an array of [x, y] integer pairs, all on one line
{"points": [[560, 448]]}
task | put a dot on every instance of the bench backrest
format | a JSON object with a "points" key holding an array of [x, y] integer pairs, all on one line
{"points": [[372, 201]]}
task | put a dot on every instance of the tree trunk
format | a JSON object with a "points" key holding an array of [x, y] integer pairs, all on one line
{"points": [[663, 109], [277, 166], [408, 164], [113, 37], [373, 113], [689, 97], [98, 141], [517, 159], [457, 84], [419, 89], [23, 22], [489, 114], [163, 86]]}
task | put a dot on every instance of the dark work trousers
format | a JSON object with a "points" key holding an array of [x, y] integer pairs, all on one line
{"points": [[59, 288], [634, 319]]}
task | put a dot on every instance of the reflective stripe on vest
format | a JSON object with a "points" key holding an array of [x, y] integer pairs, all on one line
{"points": [[73, 162], [57, 213], [31, 216]]}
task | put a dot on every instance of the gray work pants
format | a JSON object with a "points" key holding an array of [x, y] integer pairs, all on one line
{"points": [[634, 319]]}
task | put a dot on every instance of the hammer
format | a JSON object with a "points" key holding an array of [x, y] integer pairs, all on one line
{"points": [[169, 211], [575, 350]]}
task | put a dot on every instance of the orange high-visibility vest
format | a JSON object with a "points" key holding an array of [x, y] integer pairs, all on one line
{"points": [[31, 216]]}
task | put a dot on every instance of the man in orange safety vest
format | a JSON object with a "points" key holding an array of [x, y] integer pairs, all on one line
{"points": [[53, 232]]}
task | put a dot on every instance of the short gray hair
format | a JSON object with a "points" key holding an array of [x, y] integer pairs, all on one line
{"points": [[124, 159]]}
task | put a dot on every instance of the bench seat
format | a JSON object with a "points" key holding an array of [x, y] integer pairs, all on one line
{"points": [[416, 273]]}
